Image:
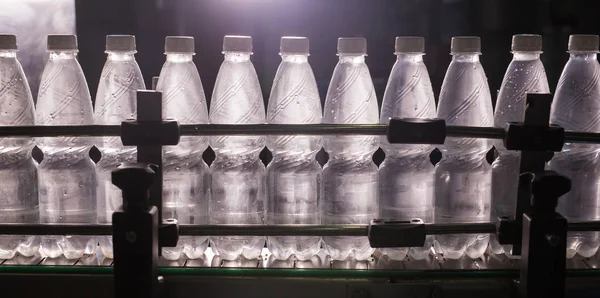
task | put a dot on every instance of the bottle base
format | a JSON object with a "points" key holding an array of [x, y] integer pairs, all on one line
{"points": [[455, 246], [230, 248], [190, 246], [72, 247], [302, 248], [585, 244], [340, 248]]}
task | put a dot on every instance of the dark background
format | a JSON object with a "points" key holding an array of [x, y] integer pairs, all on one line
{"points": [[323, 21]]}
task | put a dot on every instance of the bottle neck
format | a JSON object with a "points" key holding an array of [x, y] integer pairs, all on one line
{"points": [[523, 56], [294, 58], [410, 57], [179, 57], [352, 58], [63, 55], [465, 57], [121, 56], [8, 54], [584, 55], [237, 56]]}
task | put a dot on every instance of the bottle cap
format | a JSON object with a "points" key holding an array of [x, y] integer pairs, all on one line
{"points": [[62, 42], [526, 43], [120, 43], [179, 44], [410, 44], [583, 43], [8, 42], [294, 45], [154, 82], [352, 45], [237, 43], [465, 44]]}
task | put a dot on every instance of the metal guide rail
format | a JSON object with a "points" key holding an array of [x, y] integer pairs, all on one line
{"points": [[536, 231]]}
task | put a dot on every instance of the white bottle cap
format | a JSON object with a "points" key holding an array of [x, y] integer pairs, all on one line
{"points": [[154, 82], [120, 43], [526, 43], [62, 42], [237, 43], [352, 45], [465, 44], [583, 43], [294, 45], [179, 44], [8, 42], [410, 44]]}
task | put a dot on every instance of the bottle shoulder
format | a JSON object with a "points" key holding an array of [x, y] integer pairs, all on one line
{"points": [[351, 96], [64, 97], [15, 95], [465, 97], [408, 93], [237, 96], [294, 97]]}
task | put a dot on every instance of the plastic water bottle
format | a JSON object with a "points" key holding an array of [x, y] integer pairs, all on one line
{"points": [[350, 186], [115, 102], [463, 177], [67, 177], [525, 74], [294, 176], [238, 175], [406, 175], [576, 108], [185, 175], [18, 173]]}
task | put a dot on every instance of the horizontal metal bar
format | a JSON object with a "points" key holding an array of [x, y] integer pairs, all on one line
{"points": [[460, 228], [60, 130], [55, 229], [245, 230], [582, 137], [474, 132], [271, 129], [583, 226], [283, 129]]}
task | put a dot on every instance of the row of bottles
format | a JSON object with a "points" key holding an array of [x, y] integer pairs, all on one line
{"points": [[292, 189]]}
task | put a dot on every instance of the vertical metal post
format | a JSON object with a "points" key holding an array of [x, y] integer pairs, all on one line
{"points": [[135, 234], [149, 109], [537, 113]]}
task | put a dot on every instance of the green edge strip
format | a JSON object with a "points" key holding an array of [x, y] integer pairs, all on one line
{"points": [[282, 273]]}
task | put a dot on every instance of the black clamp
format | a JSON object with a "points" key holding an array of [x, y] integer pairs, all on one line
{"points": [[537, 140], [543, 258], [393, 233], [416, 131], [534, 137], [135, 233]]}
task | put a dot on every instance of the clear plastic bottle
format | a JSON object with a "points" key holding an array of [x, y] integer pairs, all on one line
{"points": [[525, 74], [463, 177], [115, 101], [185, 174], [237, 174], [350, 186], [576, 108], [67, 177], [294, 175], [18, 173], [406, 175]]}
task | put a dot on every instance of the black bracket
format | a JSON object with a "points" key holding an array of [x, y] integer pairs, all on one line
{"points": [[149, 133], [416, 131], [393, 233], [536, 140], [135, 233], [543, 259]]}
